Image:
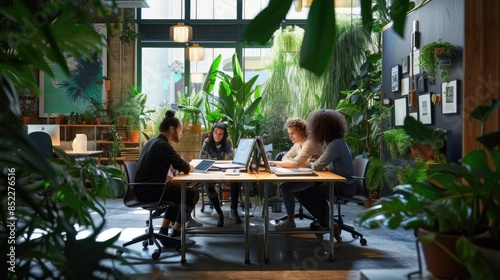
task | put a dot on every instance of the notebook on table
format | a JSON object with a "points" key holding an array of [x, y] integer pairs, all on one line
{"points": [[281, 171], [241, 157], [203, 166]]}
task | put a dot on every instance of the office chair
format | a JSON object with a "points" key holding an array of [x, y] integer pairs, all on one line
{"points": [[44, 142], [300, 215], [131, 201], [360, 167]]}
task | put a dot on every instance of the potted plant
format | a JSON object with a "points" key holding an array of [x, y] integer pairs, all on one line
{"points": [[190, 105], [398, 142], [97, 109], [26, 108], [432, 55], [59, 119], [238, 102], [134, 110], [459, 201]]}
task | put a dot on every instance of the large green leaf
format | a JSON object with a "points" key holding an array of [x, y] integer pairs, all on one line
{"points": [[263, 26], [209, 83], [319, 37]]}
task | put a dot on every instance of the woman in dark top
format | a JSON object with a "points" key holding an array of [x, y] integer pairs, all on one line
{"points": [[156, 158], [328, 127], [219, 147]]}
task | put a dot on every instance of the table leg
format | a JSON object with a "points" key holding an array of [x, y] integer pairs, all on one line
{"points": [[182, 208], [332, 221], [247, 222], [265, 208]]}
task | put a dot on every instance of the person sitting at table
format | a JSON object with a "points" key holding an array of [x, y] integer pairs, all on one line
{"points": [[328, 127], [218, 146], [156, 159], [301, 153]]}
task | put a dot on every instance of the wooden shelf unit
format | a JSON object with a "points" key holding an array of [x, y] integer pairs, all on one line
{"points": [[100, 135]]}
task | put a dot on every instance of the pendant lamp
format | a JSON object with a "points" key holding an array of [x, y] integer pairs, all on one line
{"points": [[181, 33], [195, 53]]}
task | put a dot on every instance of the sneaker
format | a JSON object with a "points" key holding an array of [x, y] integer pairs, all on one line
{"points": [[193, 223], [286, 225]]}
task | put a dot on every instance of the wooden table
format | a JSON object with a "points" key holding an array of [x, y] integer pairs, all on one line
{"points": [[72, 153], [248, 179]]}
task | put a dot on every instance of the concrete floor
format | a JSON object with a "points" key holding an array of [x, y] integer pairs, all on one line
{"points": [[221, 256]]}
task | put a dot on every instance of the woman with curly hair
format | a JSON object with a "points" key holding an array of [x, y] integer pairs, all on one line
{"points": [[219, 147], [301, 153], [328, 128]]}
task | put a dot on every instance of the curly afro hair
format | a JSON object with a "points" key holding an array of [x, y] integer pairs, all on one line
{"points": [[324, 125]]}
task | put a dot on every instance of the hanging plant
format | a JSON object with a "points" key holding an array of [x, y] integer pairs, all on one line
{"points": [[128, 34], [431, 54]]}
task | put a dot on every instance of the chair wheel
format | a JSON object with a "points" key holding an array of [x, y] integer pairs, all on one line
{"points": [[202, 210], [363, 241], [147, 222], [156, 254], [355, 235], [119, 252], [178, 248], [145, 243]]}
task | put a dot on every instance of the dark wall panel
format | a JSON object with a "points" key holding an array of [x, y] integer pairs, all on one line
{"points": [[439, 19]]}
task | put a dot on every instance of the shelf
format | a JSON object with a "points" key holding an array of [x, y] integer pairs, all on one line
{"points": [[101, 136]]}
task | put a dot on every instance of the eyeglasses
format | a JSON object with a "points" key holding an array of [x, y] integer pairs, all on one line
{"points": [[219, 133]]}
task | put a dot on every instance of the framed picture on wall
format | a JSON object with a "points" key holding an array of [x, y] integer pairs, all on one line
{"points": [[405, 64], [425, 108], [405, 86], [396, 78], [414, 115], [399, 111], [449, 97], [421, 82]]}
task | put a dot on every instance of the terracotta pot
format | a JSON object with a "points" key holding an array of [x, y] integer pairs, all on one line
{"points": [[424, 151], [98, 121], [440, 263], [26, 120], [121, 121], [197, 127], [58, 120], [107, 85], [133, 135]]}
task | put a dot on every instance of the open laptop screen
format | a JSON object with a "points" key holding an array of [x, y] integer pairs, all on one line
{"points": [[243, 151]]}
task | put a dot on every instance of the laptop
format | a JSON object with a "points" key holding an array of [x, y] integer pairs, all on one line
{"points": [[281, 171], [203, 166], [241, 157]]}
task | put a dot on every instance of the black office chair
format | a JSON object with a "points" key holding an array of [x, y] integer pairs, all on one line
{"points": [[361, 196], [130, 200], [44, 142]]}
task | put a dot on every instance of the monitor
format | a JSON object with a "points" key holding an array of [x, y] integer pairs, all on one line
{"points": [[51, 129]]}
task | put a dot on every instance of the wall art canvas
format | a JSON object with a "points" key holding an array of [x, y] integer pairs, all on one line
{"points": [[64, 94]]}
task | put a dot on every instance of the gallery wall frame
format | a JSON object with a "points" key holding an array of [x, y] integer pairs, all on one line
{"points": [[449, 96], [396, 78], [421, 82], [405, 64], [64, 94], [425, 108], [400, 110], [405, 86]]}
